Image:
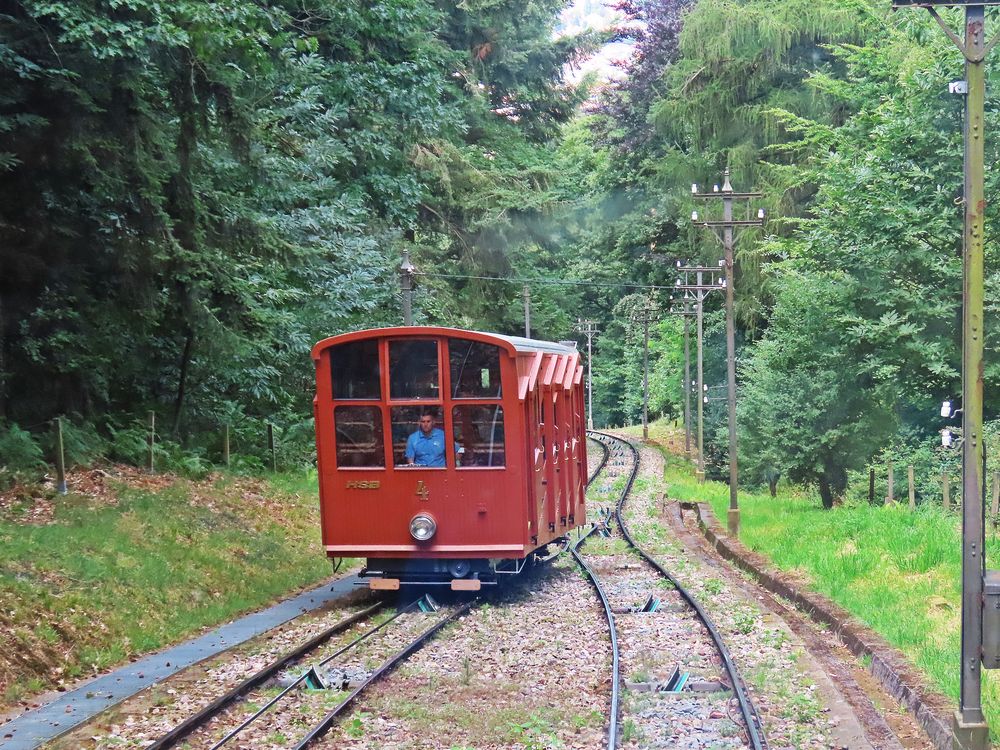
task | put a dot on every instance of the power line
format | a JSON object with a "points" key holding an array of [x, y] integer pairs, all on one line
{"points": [[550, 282]]}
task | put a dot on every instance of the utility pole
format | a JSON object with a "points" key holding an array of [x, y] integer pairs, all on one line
{"points": [[589, 328], [969, 724], [645, 316], [526, 293], [686, 384], [727, 227], [700, 290], [406, 273]]}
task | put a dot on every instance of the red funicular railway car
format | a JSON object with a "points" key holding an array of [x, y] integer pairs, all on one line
{"points": [[507, 413]]}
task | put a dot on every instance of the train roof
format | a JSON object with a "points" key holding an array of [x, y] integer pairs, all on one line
{"points": [[518, 343], [522, 344]]}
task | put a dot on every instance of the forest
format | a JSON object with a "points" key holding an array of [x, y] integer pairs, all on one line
{"points": [[193, 193]]}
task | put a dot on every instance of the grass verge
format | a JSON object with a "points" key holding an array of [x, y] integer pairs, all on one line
{"points": [[132, 563], [897, 571]]}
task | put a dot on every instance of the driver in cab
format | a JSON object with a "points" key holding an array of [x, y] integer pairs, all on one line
{"points": [[425, 447]]}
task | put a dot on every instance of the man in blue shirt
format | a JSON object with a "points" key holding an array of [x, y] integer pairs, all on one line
{"points": [[425, 447]]}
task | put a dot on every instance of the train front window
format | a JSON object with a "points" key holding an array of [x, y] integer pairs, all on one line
{"points": [[478, 435], [418, 437], [413, 369], [359, 436], [475, 369], [355, 370]]}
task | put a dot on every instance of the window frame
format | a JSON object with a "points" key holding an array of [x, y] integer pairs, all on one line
{"points": [[333, 382], [389, 398], [464, 402], [470, 399], [367, 404], [444, 403]]}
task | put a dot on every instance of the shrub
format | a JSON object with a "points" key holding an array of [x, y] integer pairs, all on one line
{"points": [[21, 458], [82, 445], [129, 443]]}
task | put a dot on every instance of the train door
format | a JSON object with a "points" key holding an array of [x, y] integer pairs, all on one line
{"points": [[536, 460]]}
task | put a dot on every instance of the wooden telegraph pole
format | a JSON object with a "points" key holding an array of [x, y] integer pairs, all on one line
{"points": [[724, 231], [589, 328], [700, 289], [687, 384], [645, 316]]}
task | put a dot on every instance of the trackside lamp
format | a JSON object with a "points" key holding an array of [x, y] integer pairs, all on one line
{"points": [[945, 437], [946, 409]]}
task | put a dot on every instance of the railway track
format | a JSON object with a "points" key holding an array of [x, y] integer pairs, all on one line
{"points": [[624, 453], [197, 730]]}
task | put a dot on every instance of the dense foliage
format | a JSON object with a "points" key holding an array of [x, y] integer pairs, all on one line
{"points": [[193, 193]]}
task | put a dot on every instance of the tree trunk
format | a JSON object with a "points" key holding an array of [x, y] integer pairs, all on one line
{"points": [[3, 363], [182, 378], [825, 491], [184, 210], [772, 485]]}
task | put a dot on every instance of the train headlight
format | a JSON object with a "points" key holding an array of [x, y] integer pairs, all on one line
{"points": [[422, 527]]}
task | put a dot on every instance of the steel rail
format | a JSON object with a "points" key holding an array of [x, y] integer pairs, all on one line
{"points": [[755, 729], [600, 466], [612, 629], [324, 725], [302, 678], [189, 725]]}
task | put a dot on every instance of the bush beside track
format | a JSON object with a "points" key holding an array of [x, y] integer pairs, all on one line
{"points": [[897, 572], [128, 563]]}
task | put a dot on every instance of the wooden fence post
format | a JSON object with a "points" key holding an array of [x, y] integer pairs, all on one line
{"points": [[945, 491], [871, 486], [60, 459], [225, 446], [912, 489], [270, 446], [151, 440], [891, 491]]}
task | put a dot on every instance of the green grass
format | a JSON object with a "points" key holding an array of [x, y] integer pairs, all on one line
{"points": [[107, 580], [895, 570]]}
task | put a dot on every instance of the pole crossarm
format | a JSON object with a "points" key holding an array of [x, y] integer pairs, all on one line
{"points": [[726, 194], [972, 53], [701, 288], [731, 223], [701, 269]]}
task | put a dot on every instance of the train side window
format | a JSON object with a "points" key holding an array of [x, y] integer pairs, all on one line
{"points": [[406, 422], [355, 370], [479, 435], [475, 369], [413, 369], [359, 436]]}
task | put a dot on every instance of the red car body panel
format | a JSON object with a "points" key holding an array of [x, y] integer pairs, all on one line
{"points": [[482, 512]]}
